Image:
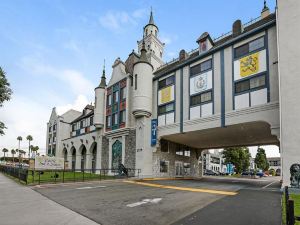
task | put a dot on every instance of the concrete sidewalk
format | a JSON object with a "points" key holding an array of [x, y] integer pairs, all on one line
{"points": [[23, 206]]}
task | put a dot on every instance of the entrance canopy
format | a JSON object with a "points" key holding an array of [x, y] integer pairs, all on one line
{"points": [[245, 134]]}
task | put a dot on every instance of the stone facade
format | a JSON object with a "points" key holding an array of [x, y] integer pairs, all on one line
{"points": [[104, 153], [130, 149]]}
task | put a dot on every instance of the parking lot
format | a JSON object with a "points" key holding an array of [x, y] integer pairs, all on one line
{"points": [[205, 201]]}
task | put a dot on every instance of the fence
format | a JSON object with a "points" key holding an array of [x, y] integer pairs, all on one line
{"points": [[289, 208], [17, 172], [67, 175]]}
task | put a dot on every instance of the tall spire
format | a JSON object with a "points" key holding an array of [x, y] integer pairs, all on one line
{"points": [[151, 20], [103, 78]]}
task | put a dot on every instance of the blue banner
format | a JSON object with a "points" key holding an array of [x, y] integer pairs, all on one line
{"points": [[153, 131]]}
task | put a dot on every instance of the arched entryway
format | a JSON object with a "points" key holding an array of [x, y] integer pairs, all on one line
{"points": [[65, 154], [116, 154], [93, 153], [83, 158], [73, 152]]}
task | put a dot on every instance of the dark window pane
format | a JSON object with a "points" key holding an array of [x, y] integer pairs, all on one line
{"points": [[256, 44], [242, 86], [206, 65], [165, 82], [165, 108], [195, 100], [242, 50], [257, 82], [195, 69], [206, 97]]}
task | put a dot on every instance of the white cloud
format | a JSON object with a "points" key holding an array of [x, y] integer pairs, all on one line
{"points": [[80, 102], [22, 117], [72, 79], [117, 20]]}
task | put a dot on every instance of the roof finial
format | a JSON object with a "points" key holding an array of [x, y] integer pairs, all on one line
{"points": [[151, 20], [265, 6], [103, 78]]}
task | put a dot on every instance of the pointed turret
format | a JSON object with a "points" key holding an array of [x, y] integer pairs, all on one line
{"points": [[151, 20], [103, 78], [100, 101]]}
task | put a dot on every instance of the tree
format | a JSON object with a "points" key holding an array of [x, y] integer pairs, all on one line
{"points": [[35, 149], [261, 159], [19, 138], [4, 150], [238, 156], [29, 139], [5, 95], [13, 152]]}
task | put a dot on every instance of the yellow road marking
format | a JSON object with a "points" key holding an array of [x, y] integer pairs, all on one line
{"points": [[184, 188], [165, 178]]}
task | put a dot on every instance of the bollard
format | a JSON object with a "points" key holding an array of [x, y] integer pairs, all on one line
{"points": [[291, 212]]}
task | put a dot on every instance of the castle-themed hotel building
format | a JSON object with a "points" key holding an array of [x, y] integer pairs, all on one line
{"points": [[159, 117]]}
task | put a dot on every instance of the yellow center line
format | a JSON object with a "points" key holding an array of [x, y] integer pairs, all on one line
{"points": [[184, 188]]}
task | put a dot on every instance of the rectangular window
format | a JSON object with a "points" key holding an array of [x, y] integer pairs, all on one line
{"points": [[241, 51], [122, 116], [187, 153], [49, 129], [251, 83], [166, 108], [166, 82], [81, 124], [91, 120], [115, 119], [84, 122], [204, 66], [249, 47], [201, 98], [257, 44], [54, 127], [135, 81], [242, 86], [257, 82], [73, 127], [123, 93], [164, 166], [108, 121], [108, 100], [116, 96]]}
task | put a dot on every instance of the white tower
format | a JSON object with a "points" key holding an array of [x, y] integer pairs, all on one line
{"points": [[100, 102], [154, 47], [142, 110]]}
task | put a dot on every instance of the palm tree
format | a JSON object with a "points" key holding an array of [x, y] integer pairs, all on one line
{"points": [[4, 150], [35, 149], [19, 138], [13, 152], [29, 139]]}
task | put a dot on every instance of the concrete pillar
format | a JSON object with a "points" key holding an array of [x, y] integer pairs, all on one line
{"points": [[69, 158], [78, 159]]}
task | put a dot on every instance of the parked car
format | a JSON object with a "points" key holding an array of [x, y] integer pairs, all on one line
{"points": [[210, 173]]}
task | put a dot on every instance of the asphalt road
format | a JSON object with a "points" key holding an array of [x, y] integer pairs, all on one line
{"points": [[172, 201]]}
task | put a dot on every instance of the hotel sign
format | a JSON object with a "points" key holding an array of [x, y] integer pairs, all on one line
{"points": [[48, 163], [153, 131]]}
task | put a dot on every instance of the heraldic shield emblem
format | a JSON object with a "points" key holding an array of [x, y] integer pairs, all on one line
{"points": [[200, 83]]}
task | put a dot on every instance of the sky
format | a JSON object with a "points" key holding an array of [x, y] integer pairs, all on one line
{"points": [[53, 50]]}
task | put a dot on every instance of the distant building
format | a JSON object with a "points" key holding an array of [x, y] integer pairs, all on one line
{"points": [[275, 163], [213, 160]]}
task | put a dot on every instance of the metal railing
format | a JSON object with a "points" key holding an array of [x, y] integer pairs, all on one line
{"points": [[289, 208], [68, 175], [16, 172]]}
